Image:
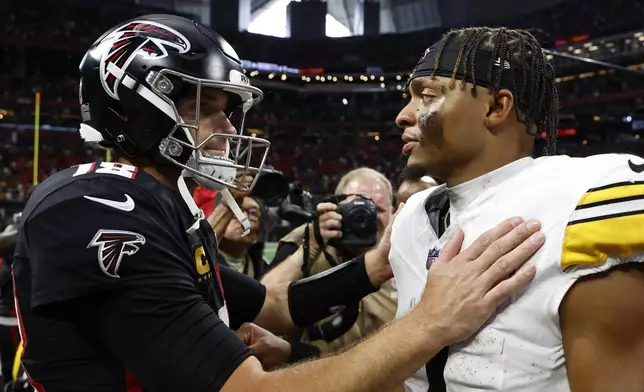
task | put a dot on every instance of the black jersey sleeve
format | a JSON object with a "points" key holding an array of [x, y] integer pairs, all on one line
{"points": [[104, 236], [244, 296], [168, 337]]}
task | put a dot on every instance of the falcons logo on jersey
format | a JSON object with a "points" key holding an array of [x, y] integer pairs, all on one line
{"points": [[112, 246], [139, 38]]}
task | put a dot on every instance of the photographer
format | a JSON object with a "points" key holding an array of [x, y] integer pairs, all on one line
{"points": [[346, 228], [244, 252], [239, 249]]}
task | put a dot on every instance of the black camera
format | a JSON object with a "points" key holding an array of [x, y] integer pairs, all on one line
{"points": [[298, 207], [271, 187], [359, 224]]}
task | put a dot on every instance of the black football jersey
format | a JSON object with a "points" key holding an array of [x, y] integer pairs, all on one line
{"points": [[115, 291]]}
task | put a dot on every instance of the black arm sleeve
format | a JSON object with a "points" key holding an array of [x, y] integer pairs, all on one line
{"points": [[166, 335], [311, 299], [244, 296]]}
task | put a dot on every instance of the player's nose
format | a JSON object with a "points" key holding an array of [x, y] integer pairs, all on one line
{"points": [[406, 118], [222, 124]]}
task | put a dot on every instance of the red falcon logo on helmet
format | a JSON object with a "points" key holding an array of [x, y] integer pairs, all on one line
{"points": [[138, 38], [112, 246]]}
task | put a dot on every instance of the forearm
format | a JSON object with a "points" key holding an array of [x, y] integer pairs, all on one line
{"points": [[275, 315], [383, 364], [288, 271], [220, 218]]}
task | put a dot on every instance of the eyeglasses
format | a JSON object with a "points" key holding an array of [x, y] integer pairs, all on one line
{"points": [[253, 214]]}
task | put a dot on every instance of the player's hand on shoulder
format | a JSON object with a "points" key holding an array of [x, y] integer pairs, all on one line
{"points": [[464, 289], [269, 349]]}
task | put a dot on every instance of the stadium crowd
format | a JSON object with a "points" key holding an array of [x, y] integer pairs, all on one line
{"points": [[316, 136]]}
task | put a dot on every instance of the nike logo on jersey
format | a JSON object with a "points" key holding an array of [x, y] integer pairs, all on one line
{"points": [[127, 205], [635, 167]]}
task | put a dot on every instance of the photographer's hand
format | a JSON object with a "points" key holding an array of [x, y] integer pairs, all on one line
{"points": [[239, 195], [221, 216], [330, 221], [377, 260]]}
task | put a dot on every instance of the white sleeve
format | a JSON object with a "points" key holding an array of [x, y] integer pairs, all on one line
{"points": [[606, 229]]}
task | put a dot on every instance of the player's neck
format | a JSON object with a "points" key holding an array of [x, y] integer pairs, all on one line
{"points": [[168, 176]]}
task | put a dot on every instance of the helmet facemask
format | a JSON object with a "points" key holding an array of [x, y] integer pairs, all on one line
{"points": [[190, 147]]}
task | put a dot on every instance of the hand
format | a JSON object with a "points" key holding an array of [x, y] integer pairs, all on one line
{"points": [[329, 220], [384, 245], [270, 350], [377, 260], [464, 289], [239, 195]]}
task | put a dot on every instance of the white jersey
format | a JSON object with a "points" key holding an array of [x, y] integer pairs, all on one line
{"points": [[592, 213]]}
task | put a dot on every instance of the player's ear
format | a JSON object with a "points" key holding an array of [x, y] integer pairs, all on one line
{"points": [[500, 109]]}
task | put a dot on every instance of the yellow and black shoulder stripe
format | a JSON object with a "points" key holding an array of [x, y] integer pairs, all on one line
{"points": [[608, 221]]}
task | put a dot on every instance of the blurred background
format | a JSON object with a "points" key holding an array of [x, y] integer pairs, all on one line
{"points": [[332, 73]]}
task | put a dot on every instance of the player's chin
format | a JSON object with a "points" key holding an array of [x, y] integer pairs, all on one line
{"points": [[418, 158]]}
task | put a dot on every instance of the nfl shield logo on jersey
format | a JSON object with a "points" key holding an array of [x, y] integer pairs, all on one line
{"points": [[432, 255]]}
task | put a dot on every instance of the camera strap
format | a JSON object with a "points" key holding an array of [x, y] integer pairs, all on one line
{"points": [[306, 270]]}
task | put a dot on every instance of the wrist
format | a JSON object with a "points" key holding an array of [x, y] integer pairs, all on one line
{"points": [[433, 336], [377, 266]]}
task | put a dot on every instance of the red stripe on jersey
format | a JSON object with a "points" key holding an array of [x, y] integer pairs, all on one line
{"points": [[221, 285], [23, 335], [131, 383]]}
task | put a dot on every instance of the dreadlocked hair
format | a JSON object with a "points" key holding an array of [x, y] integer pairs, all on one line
{"points": [[536, 99]]}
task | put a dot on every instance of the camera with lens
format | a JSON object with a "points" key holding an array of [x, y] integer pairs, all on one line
{"points": [[298, 207], [271, 187], [359, 224]]}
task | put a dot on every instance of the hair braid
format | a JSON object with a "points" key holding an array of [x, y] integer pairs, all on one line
{"points": [[464, 47], [440, 50], [495, 53], [472, 54]]}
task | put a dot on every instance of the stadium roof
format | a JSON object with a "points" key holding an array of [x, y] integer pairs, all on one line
{"points": [[396, 16]]}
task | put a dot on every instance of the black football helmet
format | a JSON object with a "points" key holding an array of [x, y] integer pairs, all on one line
{"points": [[132, 79]]}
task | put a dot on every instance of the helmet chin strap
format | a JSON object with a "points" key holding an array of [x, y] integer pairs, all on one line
{"points": [[234, 207], [198, 213]]}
